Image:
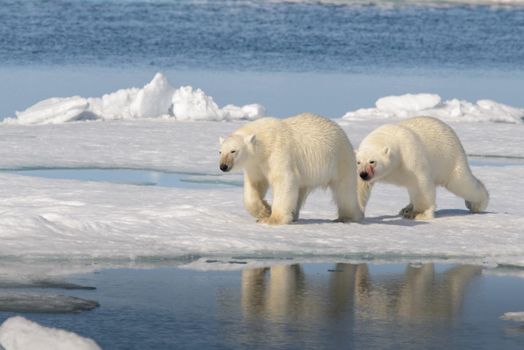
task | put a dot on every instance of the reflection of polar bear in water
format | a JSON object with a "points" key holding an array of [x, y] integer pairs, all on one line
{"points": [[417, 292], [418, 153], [293, 156]]}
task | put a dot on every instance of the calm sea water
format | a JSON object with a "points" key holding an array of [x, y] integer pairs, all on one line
{"points": [[312, 306], [261, 35]]}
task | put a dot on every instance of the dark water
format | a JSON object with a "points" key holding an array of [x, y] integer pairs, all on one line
{"points": [[260, 35], [312, 306]]}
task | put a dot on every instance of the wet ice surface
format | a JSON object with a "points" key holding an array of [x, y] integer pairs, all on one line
{"points": [[137, 177], [299, 306], [45, 303], [38, 295]]}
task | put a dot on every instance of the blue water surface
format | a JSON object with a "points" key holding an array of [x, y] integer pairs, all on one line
{"points": [[261, 35], [311, 306]]}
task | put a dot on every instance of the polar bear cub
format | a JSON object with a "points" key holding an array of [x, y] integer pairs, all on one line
{"points": [[418, 153], [293, 156]]}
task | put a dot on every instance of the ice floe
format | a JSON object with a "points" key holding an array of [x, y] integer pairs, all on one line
{"points": [[104, 223], [157, 99], [410, 105], [46, 303], [513, 316], [18, 333], [160, 100]]}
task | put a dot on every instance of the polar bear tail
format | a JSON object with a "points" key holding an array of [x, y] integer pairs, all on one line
{"points": [[480, 203], [363, 192]]}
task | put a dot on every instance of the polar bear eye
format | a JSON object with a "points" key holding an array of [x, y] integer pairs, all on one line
{"points": [[233, 151], [372, 162], [358, 163]]}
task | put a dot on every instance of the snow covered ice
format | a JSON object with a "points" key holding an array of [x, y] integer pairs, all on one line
{"points": [[121, 224], [128, 225], [18, 333]]}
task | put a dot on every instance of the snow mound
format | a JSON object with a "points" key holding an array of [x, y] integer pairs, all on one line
{"points": [[513, 316], [157, 99], [410, 105], [18, 333]]}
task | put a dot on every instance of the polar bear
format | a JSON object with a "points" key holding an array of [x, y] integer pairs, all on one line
{"points": [[293, 156], [418, 153]]}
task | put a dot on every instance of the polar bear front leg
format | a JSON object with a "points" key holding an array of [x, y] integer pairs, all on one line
{"points": [[285, 199], [422, 201], [254, 192]]}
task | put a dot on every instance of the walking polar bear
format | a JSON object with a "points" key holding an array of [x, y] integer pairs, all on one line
{"points": [[419, 154], [293, 156]]}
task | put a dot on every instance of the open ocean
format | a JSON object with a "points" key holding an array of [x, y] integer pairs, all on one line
{"points": [[340, 36]]}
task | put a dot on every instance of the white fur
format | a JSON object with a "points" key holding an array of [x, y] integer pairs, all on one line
{"points": [[419, 154], [293, 156]]}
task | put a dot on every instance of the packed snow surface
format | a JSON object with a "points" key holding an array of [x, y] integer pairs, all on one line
{"points": [[45, 221], [18, 333], [157, 99], [165, 129]]}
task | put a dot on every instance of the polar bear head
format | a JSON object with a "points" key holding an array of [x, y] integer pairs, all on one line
{"points": [[373, 162], [235, 151]]}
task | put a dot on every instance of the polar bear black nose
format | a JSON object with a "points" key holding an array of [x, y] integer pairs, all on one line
{"points": [[224, 167], [364, 175]]}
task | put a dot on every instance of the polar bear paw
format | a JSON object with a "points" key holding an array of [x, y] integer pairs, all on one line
{"points": [[276, 220], [406, 211], [476, 207], [409, 213]]}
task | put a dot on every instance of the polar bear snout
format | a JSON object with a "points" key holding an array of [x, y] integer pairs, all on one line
{"points": [[364, 175], [224, 167], [367, 173]]}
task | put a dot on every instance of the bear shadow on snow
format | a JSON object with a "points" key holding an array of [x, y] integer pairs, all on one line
{"points": [[446, 213], [396, 220], [315, 221]]}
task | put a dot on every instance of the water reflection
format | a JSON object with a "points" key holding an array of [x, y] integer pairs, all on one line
{"points": [[419, 292]]}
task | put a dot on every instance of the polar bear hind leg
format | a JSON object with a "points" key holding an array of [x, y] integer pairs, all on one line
{"points": [[471, 189], [303, 192]]}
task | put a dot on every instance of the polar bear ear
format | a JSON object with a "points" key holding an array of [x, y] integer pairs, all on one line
{"points": [[385, 150], [250, 139], [221, 140]]}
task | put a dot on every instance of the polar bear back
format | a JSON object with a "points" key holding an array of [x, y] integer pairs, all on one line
{"points": [[310, 145], [421, 143], [441, 145]]}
